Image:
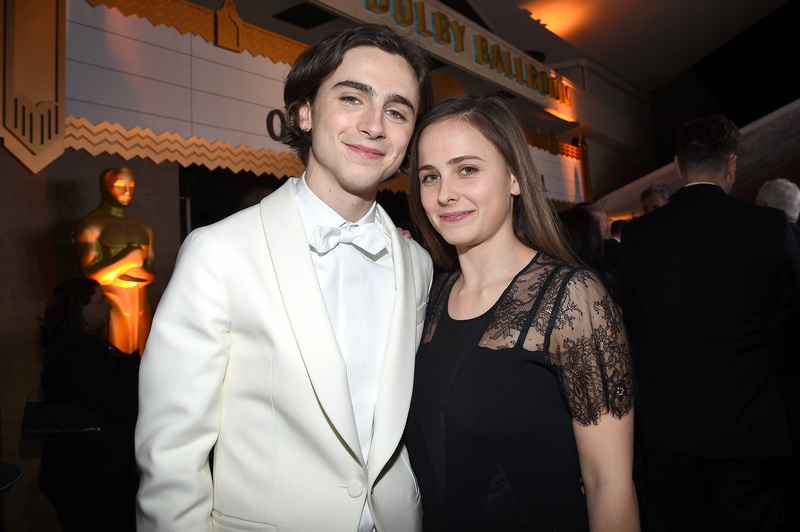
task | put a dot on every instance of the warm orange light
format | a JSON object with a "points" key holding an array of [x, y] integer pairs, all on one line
{"points": [[559, 114], [565, 18]]}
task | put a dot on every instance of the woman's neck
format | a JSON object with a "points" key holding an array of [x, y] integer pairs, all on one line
{"points": [[485, 274]]}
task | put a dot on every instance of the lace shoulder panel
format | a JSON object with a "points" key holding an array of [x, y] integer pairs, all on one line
{"points": [[589, 348], [437, 303]]}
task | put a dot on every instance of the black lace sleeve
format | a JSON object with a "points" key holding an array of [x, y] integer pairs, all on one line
{"points": [[588, 345]]}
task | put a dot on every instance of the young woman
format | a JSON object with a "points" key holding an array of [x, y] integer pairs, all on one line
{"points": [[523, 388], [89, 478]]}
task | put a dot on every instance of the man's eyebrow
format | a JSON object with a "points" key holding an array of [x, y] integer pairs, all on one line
{"points": [[402, 100], [357, 85], [368, 89]]}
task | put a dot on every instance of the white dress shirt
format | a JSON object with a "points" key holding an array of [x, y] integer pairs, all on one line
{"points": [[359, 293]]}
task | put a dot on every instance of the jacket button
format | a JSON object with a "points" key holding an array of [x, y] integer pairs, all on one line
{"points": [[355, 489]]}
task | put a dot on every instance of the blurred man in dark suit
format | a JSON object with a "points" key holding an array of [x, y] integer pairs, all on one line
{"points": [[709, 292], [654, 197], [784, 195]]}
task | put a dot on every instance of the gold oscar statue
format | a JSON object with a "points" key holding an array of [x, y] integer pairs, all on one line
{"points": [[116, 250]]}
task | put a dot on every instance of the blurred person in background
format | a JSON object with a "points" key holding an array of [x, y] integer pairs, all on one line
{"points": [[89, 478], [654, 197]]}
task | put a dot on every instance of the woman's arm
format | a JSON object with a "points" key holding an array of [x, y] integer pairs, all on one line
{"points": [[605, 451]]}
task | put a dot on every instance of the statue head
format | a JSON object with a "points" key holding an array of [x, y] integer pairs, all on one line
{"points": [[116, 186]]}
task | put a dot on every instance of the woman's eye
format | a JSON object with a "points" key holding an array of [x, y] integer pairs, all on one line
{"points": [[428, 178], [468, 170]]}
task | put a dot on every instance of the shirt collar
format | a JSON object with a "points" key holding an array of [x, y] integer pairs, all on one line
{"points": [[701, 183], [314, 211]]}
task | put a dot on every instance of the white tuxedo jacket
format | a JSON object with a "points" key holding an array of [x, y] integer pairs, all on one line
{"points": [[242, 358]]}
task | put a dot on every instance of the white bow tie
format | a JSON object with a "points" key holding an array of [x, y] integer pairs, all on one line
{"points": [[366, 237]]}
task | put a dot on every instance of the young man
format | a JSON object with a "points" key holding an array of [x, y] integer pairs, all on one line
{"points": [[286, 338]]}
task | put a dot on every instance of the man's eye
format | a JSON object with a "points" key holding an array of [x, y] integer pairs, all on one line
{"points": [[397, 114], [350, 99]]}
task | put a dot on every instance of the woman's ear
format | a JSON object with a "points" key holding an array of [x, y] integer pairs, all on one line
{"points": [[514, 185]]}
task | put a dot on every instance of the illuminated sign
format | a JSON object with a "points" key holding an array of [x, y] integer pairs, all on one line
{"points": [[444, 30]]}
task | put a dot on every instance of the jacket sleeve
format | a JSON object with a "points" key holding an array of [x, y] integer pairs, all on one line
{"points": [[180, 391]]}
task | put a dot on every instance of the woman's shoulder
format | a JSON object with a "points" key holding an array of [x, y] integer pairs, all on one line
{"points": [[575, 276], [442, 283]]}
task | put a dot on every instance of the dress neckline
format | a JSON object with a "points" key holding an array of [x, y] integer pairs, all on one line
{"points": [[491, 309]]}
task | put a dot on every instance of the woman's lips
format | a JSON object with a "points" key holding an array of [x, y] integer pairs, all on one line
{"points": [[365, 151], [455, 216]]}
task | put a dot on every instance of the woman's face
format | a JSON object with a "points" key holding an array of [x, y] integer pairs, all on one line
{"points": [[96, 311], [466, 188]]}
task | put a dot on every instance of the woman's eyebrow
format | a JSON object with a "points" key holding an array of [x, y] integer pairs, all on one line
{"points": [[462, 158]]}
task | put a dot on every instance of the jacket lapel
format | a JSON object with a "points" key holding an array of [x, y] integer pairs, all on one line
{"points": [[397, 371], [306, 310]]}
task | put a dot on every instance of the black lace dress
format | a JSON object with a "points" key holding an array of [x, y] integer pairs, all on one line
{"points": [[490, 430]]}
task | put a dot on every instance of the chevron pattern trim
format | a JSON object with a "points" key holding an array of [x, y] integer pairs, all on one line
{"points": [[187, 17], [81, 134], [184, 16], [258, 41]]}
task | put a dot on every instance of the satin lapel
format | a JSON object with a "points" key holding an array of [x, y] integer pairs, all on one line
{"points": [[397, 371], [305, 307]]}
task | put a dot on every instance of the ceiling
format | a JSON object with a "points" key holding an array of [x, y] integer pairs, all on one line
{"points": [[648, 43]]}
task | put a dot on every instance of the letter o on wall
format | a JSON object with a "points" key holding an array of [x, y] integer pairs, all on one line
{"points": [[271, 124]]}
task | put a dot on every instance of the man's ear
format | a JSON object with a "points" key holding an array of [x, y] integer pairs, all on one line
{"points": [[304, 117], [678, 170], [730, 167], [730, 174]]}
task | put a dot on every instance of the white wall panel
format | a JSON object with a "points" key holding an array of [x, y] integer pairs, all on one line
{"points": [[121, 90], [562, 175], [137, 58], [128, 119], [124, 70], [236, 84], [232, 116], [259, 65], [112, 21]]}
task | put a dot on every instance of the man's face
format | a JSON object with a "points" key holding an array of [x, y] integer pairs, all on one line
{"points": [[653, 202], [361, 121]]}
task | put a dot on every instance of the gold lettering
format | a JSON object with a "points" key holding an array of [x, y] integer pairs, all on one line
{"points": [[379, 7], [530, 75], [544, 83], [403, 12], [507, 62], [481, 49], [422, 24], [458, 33], [497, 60], [555, 89], [520, 71], [441, 28]]}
